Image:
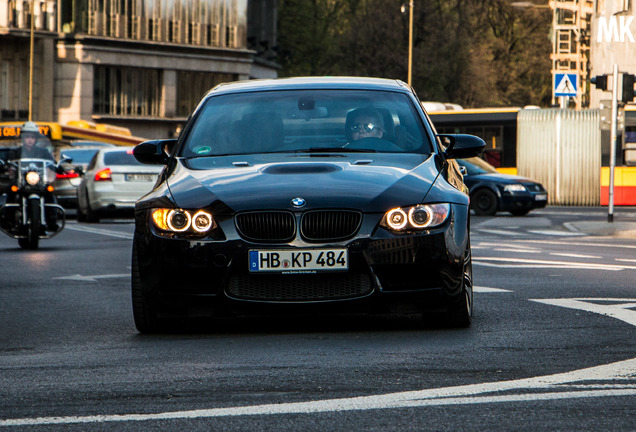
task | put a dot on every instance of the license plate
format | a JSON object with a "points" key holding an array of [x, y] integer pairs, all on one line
{"points": [[140, 177], [298, 260], [541, 197]]}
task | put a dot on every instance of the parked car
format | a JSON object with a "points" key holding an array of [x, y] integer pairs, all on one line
{"points": [[492, 191], [66, 183], [270, 203], [113, 181]]}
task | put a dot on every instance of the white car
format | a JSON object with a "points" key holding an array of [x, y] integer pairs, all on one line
{"points": [[114, 180], [66, 183]]}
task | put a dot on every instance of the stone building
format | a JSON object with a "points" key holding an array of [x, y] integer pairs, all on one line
{"points": [[141, 64]]}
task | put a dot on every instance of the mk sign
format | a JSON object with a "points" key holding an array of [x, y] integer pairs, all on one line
{"points": [[615, 29]]}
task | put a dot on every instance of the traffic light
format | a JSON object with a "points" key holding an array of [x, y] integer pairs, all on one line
{"points": [[628, 87], [600, 81]]}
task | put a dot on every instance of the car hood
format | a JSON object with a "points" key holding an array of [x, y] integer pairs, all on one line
{"points": [[369, 182]]}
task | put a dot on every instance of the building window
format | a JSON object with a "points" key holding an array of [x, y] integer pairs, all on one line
{"points": [[127, 91], [191, 86], [220, 23]]}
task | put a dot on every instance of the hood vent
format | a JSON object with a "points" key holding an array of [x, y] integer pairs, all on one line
{"points": [[302, 168]]}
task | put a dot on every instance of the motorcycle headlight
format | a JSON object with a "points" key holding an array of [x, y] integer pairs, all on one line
{"points": [[32, 178], [416, 217], [182, 221]]}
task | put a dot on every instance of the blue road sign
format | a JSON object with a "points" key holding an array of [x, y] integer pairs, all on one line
{"points": [[565, 84]]}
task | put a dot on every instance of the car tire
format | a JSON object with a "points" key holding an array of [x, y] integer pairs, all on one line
{"points": [[484, 202], [88, 215], [460, 311], [32, 241], [144, 310]]}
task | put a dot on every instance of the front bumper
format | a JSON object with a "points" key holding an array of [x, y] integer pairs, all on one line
{"points": [[385, 269], [523, 201]]}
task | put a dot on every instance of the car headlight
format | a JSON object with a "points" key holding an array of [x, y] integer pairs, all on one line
{"points": [[416, 217], [179, 221], [511, 188], [32, 178]]}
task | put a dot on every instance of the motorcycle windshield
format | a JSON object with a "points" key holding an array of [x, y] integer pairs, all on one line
{"points": [[31, 146], [18, 157]]}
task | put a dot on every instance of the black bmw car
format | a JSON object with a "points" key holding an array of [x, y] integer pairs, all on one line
{"points": [[287, 194], [492, 191]]}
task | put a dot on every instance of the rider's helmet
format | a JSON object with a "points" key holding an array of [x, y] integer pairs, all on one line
{"points": [[29, 127]]}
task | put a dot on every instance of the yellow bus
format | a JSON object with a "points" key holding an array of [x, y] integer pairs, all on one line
{"points": [[62, 135]]}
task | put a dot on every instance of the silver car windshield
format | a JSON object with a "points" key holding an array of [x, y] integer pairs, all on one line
{"points": [[307, 121]]}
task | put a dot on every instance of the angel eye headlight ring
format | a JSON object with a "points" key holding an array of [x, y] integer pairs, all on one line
{"points": [[420, 216], [201, 221], [183, 221], [417, 217], [179, 220], [396, 219]]}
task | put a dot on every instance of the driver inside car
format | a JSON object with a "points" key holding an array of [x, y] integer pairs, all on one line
{"points": [[365, 123]]}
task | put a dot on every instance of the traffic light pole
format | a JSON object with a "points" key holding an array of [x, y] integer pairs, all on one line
{"points": [[623, 83], [613, 137]]}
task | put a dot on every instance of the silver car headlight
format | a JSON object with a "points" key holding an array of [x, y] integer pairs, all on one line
{"points": [[416, 217], [511, 188], [181, 221]]}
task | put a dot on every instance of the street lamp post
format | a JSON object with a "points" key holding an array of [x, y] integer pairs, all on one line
{"points": [[32, 13], [410, 59], [410, 42]]}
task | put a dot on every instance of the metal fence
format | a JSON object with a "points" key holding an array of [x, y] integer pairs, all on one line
{"points": [[561, 149]]}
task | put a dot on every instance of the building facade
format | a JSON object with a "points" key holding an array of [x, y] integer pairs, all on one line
{"points": [[613, 42], [142, 64]]}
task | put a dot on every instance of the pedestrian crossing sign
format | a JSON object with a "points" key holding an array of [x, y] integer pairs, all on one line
{"points": [[565, 84]]}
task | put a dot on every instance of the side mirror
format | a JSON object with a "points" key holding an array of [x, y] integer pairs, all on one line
{"points": [[59, 168], [461, 146], [152, 152], [79, 170]]}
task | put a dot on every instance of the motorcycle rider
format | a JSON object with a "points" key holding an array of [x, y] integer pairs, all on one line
{"points": [[29, 133]]}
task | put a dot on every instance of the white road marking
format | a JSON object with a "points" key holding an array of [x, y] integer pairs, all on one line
{"points": [[615, 308], [609, 380], [625, 260], [517, 244], [101, 231], [93, 278], [557, 233], [516, 250], [571, 255], [489, 290], [574, 243], [502, 232], [528, 263]]}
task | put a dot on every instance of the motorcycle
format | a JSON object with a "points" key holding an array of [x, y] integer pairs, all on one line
{"points": [[30, 212]]}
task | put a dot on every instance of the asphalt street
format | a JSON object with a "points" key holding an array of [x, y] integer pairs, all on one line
{"points": [[552, 345]]}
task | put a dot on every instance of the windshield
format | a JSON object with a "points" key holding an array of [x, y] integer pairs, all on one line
{"points": [[475, 166], [120, 157], [31, 146], [80, 156], [307, 120]]}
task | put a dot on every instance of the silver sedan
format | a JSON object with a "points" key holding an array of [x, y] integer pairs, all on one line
{"points": [[112, 183]]}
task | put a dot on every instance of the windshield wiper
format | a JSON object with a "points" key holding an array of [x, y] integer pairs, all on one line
{"points": [[335, 150]]}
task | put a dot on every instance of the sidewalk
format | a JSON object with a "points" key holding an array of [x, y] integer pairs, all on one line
{"points": [[623, 229]]}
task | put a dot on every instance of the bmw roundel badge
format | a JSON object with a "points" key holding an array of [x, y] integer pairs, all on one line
{"points": [[298, 202]]}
